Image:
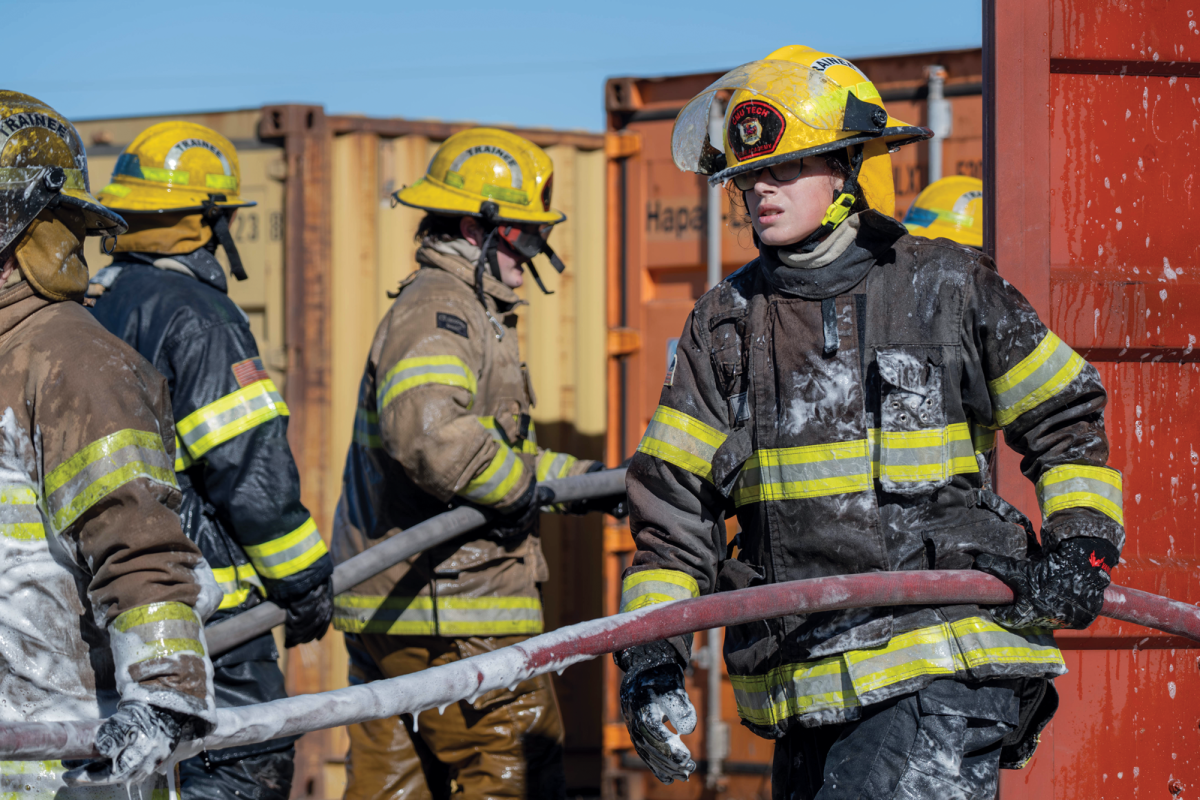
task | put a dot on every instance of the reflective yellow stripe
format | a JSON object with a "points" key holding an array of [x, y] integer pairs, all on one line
{"points": [[20, 517], [236, 584], [925, 455], [681, 440], [231, 416], [820, 470], [554, 465], [847, 680], [1039, 376], [157, 630], [283, 557], [982, 439], [450, 616], [811, 471], [526, 445], [101, 468], [32, 780], [183, 459], [652, 586], [410, 373], [367, 432], [1079, 486], [491, 485]]}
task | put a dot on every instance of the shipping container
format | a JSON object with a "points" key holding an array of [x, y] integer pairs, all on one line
{"points": [[323, 247], [658, 266], [1092, 161]]}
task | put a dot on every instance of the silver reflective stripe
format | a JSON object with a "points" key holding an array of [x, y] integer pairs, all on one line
{"points": [[554, 467], [653, 586], [794, 691], [1039, 376], [366, 429], [216, 422], [809, 471], [483, 491], [1082, 486], [102, 467]]}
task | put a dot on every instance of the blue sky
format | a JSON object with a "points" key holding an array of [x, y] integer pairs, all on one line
{"points": [[530, 64]]}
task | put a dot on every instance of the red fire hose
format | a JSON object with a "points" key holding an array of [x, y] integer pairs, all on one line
{"points": [[441, 686]]}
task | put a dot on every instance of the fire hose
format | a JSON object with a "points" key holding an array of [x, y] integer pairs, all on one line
{"points": [[228, 634], [440, 686]]}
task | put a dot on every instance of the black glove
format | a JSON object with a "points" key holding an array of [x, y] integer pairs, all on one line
{"points": [[652, 691], [1063, 588], [617, 504], [521, 515], [308, 615], [134, 742]]}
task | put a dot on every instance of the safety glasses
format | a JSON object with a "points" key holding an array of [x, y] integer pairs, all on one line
{"points": [[782, 173]]}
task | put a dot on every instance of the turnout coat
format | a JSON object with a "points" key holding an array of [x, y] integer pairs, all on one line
{"points": [[443, 419], [845, 414]]}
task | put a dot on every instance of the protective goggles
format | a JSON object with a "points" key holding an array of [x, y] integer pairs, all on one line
{"points": [[526, 242], [782, 173]]}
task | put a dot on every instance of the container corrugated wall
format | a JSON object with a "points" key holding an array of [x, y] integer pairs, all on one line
{"points": [[326, 245]]}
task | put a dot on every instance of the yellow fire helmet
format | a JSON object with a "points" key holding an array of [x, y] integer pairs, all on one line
{"points": [[175, 166], [952, 208], [43, 164], [487, 165], [797, 102]]}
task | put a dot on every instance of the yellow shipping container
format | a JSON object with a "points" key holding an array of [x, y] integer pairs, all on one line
{"points": [[322, 249]]}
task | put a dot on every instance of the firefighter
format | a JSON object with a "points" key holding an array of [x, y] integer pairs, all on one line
{"points": [[951, 208], [444, 419], [177, 184], [102, 595], [837, 394]]}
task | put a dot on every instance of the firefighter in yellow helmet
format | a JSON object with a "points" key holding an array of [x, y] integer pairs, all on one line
{"points": [[103, 596], [444, 419], [839, 394], [178, 185], [950, 208]]}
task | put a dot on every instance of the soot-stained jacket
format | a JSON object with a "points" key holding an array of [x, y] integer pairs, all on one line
{"points": [[844, 414], [444, 418], [101, 594], [241, 488]]}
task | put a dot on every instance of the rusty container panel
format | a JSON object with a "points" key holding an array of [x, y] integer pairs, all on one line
{"points": [[657, 251], [1092, 163], [322, 249]]}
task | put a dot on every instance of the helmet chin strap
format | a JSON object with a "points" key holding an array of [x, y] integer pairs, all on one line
{"points": [[526, 246], [839, 209], [218, 219]]}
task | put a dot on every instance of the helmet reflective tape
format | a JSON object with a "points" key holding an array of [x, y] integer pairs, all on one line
{"points": [[176, 152], [514, 168], [130, 164], [22, 176], [14, 124], [961, 204]]}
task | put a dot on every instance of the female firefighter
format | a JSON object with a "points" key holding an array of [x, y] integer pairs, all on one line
{"points": [[838, 394]]}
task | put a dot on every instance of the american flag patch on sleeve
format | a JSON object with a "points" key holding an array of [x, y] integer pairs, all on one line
{"points": [[249, 371]]}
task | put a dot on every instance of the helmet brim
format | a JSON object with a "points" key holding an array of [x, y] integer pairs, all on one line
{"points": [[894, 136], [429, 195], [129, 198]]}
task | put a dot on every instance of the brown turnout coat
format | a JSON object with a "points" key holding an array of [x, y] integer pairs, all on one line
{"points": [[443, 419]]}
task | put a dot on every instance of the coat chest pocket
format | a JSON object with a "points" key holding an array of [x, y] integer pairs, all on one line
{"points": [[914, 446]]}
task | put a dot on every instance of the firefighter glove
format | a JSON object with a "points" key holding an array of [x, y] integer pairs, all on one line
{"points": [[1062, 588], [133, 742], [650, 698], [521, 515], [308, 616]]}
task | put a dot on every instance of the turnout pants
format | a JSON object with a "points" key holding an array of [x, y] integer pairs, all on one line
{"points": [[942, 743], [504, 745], [249, 674]]}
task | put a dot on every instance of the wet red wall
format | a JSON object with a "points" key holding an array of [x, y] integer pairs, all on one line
{"points": [[1092, 117]]}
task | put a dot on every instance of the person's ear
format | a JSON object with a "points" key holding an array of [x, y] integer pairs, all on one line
{"points": [[470, 230]]}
